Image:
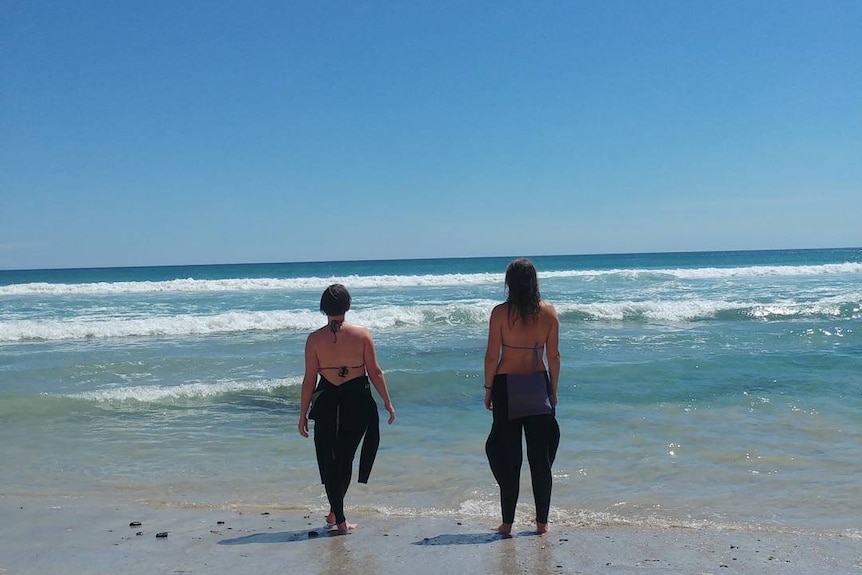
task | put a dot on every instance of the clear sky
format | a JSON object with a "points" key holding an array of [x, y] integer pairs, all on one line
{"points": [[180, 132]]}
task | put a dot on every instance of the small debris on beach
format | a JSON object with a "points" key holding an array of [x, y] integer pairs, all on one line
{"points": [[162, 535], [313, 533], [219, 522], [135, 524], [139, 533]]}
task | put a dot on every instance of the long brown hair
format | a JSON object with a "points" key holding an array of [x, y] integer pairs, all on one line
{"points": [[522, 285]]}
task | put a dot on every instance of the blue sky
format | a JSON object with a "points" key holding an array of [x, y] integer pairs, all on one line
{"points": [[163, 132]]}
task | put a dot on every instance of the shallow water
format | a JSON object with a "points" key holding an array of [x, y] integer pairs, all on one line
{"points": [[706, 388]]}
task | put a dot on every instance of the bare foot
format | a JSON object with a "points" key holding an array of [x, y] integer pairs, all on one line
{"points": [[330, 519], [504, 529], [344, 528], [542, 528]]}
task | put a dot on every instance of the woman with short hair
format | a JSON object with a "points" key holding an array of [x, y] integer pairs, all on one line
{"points": [[340, 359]]}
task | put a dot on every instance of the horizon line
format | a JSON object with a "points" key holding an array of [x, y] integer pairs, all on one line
{"points": [[397, 259]]}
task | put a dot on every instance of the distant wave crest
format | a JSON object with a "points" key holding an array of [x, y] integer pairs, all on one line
{"points": [[383, 317], [392, 317], [698, 309], [191, 285], [161, 394]]}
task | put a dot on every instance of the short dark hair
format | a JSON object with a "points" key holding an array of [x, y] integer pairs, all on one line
{"points": [[335, 300]]}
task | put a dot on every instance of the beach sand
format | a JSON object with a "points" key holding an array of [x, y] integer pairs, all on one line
{"points": [[80, 535]]}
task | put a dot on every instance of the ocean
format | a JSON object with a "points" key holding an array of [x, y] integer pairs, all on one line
{"points": [[709, 389]]}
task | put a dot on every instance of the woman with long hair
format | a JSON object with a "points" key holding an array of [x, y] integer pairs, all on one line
{"points": [[521, 391], [340, 360]]}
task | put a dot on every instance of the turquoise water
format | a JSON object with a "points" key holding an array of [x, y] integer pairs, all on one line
{"points": [[713, 388]]}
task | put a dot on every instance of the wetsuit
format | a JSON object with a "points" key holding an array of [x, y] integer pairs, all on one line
{"points": [[505, 452], [344, 414]]}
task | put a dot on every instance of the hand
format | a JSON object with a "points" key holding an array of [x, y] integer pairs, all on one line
{"points": [[391, 409], [303, 426], [554, 399], [489, 405]]}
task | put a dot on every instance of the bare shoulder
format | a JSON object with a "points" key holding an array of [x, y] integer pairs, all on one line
{"points": [[548, 309], [312, 341], [316, 334], [499, 310], [357, 330]]}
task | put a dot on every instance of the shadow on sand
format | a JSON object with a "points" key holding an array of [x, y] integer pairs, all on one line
{"points": [[281, 537], [321, 533], [462, 539]]}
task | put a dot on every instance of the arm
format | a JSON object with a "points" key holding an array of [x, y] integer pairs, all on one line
{"points": [[375, 373], [492, 353], [308, 382], [552, 349]]}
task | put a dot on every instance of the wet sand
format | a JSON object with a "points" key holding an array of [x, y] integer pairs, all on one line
{"points": [[79, 535]]}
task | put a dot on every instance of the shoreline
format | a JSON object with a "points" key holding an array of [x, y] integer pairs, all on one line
{"points": [[78, 535]]}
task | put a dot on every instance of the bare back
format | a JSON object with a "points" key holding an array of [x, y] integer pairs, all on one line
{"points": [[340, 356], [522, 342]]}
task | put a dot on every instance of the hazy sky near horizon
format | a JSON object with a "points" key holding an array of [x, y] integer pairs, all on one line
{"points": [[150, 133]]}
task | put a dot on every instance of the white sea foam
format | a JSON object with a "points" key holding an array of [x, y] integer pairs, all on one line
{"points": [[657, 310], [191, 285], [382, 317], [175, 325], [488, 509], [699, 309], [762, 271], [164, 393], [715, 273], [468, 313]]}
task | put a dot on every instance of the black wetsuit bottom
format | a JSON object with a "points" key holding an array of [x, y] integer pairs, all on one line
{"points": [[343, 414], [505, 453]]}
